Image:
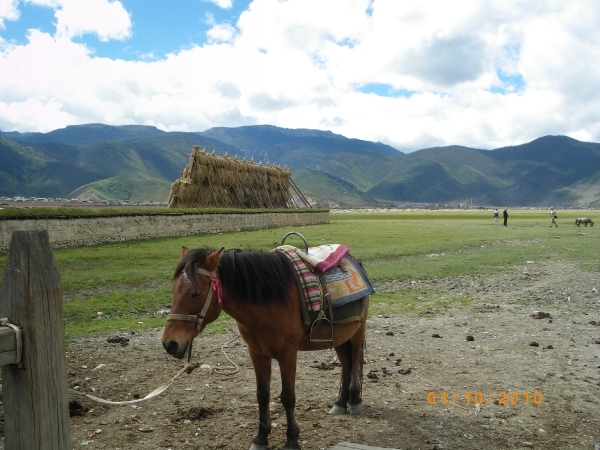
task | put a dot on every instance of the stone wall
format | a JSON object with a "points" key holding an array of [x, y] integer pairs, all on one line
{"points": [[70, 231]]}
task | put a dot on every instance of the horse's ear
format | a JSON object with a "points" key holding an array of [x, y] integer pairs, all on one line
{"points": [[184, 251], [213, 259]]}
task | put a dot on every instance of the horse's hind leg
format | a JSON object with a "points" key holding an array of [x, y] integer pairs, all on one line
{"points": [[355, 405], [357, 341], [345, 356], [350, 354], [262, 370]]}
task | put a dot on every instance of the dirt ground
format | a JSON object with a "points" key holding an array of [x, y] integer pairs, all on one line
{"points": [[208, 410]]}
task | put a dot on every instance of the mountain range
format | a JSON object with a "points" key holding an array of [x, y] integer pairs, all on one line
{"points": [[135, 162]]}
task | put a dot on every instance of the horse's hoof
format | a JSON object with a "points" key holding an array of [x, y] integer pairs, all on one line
{"points": [[355, 409], [258, 447], [291, 446], [337, 410]]}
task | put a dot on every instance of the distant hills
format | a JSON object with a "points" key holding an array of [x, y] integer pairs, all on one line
{"points": [[552, 170], [135, 162]]}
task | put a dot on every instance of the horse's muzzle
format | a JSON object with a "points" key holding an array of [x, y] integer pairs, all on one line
{"points": [[174, 349]]}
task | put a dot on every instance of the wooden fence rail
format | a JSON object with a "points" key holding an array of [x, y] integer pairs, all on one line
{"points": [[36, 407]]}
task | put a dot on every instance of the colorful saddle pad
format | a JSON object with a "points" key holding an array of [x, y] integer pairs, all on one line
{"points": [[345, 282], [308, 282]]}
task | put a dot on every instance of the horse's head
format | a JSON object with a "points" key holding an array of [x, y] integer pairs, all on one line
{"points": [[196, 299]]}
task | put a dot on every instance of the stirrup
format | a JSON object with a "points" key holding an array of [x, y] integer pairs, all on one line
{"points": [[321, 318]]}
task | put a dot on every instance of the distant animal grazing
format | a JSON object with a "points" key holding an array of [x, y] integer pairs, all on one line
{"points": [[260, 291], [584, 220]]}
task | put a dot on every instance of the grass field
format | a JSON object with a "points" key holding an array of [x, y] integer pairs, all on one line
{"points": [[129, 282]]}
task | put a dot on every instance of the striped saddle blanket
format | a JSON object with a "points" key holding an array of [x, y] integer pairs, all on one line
{"points": [[343, 276]]}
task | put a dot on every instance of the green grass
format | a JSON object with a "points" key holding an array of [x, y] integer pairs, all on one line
{"points": [[98, 326], [129, 282], [387, 303], [442, 244], [123, 187]]}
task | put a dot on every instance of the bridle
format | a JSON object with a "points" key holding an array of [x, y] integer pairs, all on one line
{"points": [[215, 285]]}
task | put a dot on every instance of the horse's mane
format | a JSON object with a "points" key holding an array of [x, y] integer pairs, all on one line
{"points": [[252, 276]]}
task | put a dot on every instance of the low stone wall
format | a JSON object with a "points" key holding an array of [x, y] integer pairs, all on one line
{"points": [[70, 231]]}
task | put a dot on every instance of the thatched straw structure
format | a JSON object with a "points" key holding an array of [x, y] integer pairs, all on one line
{"points": [[223, 182]]}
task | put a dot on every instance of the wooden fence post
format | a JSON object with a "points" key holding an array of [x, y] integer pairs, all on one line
{"points": [[36, 406]]}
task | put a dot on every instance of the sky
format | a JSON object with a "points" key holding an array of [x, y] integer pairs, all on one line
{"points": [[411, 74]]}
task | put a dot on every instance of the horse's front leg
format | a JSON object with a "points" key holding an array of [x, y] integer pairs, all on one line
{"points": [[287, 365], [262, 370]]}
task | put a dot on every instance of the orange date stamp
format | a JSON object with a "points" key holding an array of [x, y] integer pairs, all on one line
{"points": [[501, 398]]}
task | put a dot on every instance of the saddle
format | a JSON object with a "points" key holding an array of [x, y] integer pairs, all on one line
{"points": [[330, 281]]}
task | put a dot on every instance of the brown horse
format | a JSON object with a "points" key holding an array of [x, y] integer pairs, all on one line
{"points": [[259, 290]]}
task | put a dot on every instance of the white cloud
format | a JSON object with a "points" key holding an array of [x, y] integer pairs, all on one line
{"points": [[8, 11], [46, 3], [224, 4], [106, 18], [483, 74], [33, 114], [221, 33]]}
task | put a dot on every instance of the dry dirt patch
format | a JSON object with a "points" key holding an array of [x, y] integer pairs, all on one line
{"points": [[205, 410]]}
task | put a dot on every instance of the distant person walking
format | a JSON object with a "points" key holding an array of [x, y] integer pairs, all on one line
{"points": [[496, 215], [505, 215], [553, 217]]}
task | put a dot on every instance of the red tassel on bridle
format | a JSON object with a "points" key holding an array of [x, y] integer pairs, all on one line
{"points": [[216, 286]]}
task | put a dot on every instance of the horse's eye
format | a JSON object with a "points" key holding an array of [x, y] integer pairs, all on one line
{"points": [[197, 294]]}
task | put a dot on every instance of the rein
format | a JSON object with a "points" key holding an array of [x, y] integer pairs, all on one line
{"points": [[215, 285]]}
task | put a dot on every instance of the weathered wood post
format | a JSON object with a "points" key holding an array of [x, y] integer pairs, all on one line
{"points": [[36, 406]]}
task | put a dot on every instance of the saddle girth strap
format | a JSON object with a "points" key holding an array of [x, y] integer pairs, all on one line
{"points": [[327, 300]]}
